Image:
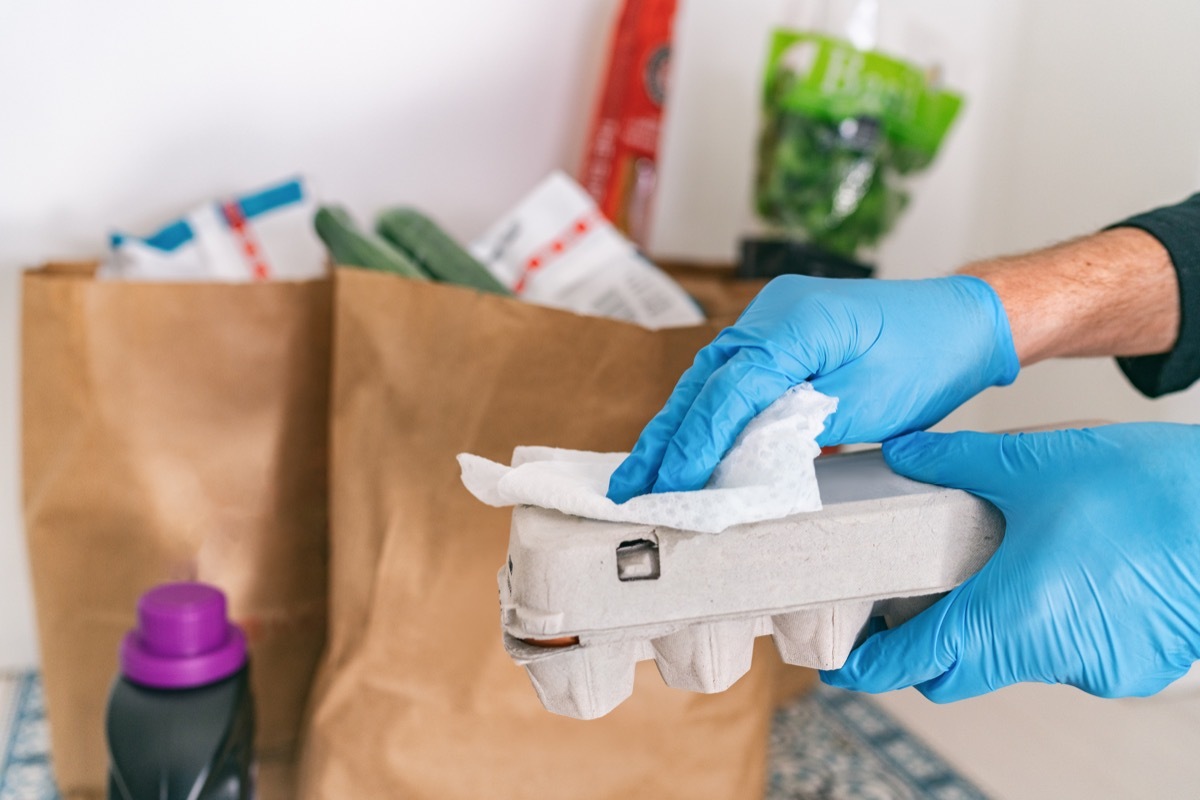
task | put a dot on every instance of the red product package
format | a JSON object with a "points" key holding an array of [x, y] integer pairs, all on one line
{"points": [[619, 165]]}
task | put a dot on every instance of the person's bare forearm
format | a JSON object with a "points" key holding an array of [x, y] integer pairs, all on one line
{"points": [[1111, 294]]}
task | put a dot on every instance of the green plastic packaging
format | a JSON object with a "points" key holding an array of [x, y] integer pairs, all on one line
{"points": [[842, 130]]}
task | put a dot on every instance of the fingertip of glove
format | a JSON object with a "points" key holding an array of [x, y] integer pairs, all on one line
{"points": [[830, 677], [830, 435], [619, 494], [847, 677], [933, 692], [631, 478], [914, 456], [625, 484], [904, 448]]}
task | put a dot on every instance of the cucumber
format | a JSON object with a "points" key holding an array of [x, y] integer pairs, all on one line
{"points": [[350, 245], [424, 242]]}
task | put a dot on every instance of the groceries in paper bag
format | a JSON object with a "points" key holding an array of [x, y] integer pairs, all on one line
{"points": [[555, 248], [262, 235], [844, 128]]}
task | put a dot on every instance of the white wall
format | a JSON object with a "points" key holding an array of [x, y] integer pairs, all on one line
{"points": [[1096, 122], [1077, 115], [126, 112], [123, 113], [711, 130]]}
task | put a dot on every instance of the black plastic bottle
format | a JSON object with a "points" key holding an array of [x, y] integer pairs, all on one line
{"points": [[181, 716]]}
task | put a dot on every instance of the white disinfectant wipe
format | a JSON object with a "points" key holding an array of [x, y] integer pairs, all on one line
{"points": [[767, 474]]}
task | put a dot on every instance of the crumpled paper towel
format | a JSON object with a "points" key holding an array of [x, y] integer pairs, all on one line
{"points": [[767, 474]]}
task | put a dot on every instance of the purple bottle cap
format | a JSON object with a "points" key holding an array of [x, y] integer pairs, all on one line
{"points": [[183, 638]]}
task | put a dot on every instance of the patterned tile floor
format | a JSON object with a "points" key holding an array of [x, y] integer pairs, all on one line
{"points": [[835, 745], [24, 744], [829, 745]]}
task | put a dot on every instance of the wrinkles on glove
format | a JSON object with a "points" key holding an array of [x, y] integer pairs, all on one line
{"points": [[1096, 583], [899, 355]]}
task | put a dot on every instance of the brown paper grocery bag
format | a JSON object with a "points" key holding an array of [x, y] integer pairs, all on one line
{"points": [[416, 697], [174, 431]]}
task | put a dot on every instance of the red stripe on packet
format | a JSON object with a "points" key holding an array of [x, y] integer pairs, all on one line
{"points": [[556, 247], [251, 250]]}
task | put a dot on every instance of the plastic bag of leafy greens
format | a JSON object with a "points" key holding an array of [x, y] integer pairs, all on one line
{"points": [[842, 130]]}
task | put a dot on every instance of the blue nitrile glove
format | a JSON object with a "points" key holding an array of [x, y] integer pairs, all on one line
{"points": [[1096, 583], [898, 355]]}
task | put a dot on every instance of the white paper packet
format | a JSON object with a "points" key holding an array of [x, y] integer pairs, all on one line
{"points": [[261, 235], [557, 249]]}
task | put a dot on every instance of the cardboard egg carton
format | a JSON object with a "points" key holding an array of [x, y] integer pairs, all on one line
{"points": [[619, 593]]}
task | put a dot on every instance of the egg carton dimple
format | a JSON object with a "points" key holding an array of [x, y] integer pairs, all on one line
{"points": [[881, 547]]}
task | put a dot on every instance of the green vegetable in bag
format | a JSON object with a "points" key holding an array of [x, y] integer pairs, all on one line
{"points": [[842, 127], [424, 242], [349, 245]]}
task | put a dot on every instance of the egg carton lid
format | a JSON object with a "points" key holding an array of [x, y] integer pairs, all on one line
{"points": [[882, 546]]}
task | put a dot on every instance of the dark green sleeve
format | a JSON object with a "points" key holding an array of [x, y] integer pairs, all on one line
{"points": [[1178, 228]]}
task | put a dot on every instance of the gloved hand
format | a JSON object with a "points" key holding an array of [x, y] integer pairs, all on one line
{"points": [[1096, 583], [898, 355]]}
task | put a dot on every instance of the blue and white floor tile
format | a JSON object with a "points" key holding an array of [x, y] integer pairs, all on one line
{"points": [[829, 745], [24, 744], [835, 745]]}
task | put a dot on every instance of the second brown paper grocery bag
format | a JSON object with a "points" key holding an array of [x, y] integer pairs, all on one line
{"points": [[416, 697], [173, 431]]}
